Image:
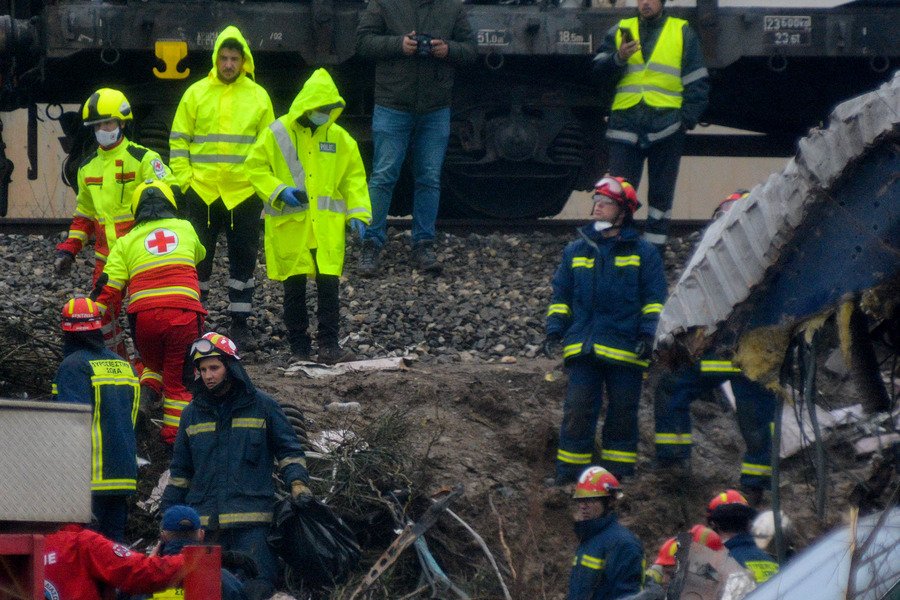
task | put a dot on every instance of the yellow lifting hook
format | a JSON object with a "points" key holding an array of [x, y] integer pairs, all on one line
{"points": [[171, 52]]}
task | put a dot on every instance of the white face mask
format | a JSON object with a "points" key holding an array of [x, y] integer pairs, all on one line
{"points": [[602, 225], [107, 138], [318, 118]]}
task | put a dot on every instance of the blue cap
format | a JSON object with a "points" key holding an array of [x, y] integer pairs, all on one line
{"points": [[180, 518]]}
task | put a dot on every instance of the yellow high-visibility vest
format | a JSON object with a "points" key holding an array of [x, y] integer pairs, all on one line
{"points": [[658, 81]]}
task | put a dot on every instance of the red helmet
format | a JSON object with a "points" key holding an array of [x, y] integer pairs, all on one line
{"points": [[726, 497], [597, 482], [726, 204], [213, 344], [706, 536], [618, 189], [81, 314], [666, 556]]}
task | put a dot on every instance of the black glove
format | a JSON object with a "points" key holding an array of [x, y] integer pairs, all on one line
{"points": [[551, 344], [644, 348], [63, 263]]}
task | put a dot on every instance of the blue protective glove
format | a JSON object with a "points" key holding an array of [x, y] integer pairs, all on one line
{"points": [[292, 196], [358, 227]]}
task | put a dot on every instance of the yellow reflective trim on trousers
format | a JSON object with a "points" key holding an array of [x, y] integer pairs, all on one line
{"points": [[292, 461], [633, 260], [180, 482], [582, 261], [592, 562], [171, 420], [573, 458], [150, 375], [762, 570], [207, 427], [653, 307], [571, 350], [673, 438], [559, 309], [249, 423], [618, 456], [718, 366], [78, 235], [172, 404], [751, 469], [619, 355], [249, 517], [54, 390], [113, 484]]}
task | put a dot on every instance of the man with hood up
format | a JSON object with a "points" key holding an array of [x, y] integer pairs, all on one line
{"points": [[229, 440], [157, 262], [309, 171], [217, 121]]}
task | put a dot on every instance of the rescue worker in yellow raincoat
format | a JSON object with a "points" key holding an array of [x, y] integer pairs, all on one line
{"points": [[218, 119], [309, 172], [106, 181]]}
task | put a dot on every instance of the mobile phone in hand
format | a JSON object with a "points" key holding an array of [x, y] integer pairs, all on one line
{"points": [[626, 35]]}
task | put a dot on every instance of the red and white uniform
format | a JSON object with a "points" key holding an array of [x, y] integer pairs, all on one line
{"points": [[78, 560], [157, 261]]}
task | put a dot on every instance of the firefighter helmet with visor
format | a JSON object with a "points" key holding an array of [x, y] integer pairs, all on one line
{"points": [[618, 190], [213, 345], [596, 482], [106, 104]]}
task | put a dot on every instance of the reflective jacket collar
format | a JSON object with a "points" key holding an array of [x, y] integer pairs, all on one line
{"points": [[320, 92], [119, 147], [585, 530]]}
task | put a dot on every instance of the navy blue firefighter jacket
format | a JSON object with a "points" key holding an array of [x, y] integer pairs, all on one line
{"points": [[743, 549], [609, 562], [93, 375], [607, 295], [223, 458]]}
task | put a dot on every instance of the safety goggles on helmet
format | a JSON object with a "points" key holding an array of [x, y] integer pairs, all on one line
{"points": [[81, 314], [213, 344], [618, 190]]}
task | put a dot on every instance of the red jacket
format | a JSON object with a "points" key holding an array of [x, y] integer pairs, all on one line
{"points": [[77, 561]]}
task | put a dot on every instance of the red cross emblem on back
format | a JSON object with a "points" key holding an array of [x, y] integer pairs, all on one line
{"points": [[161, 241]]}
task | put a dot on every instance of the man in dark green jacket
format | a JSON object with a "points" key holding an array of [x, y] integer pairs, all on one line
{"points": [[228, 440], [417, 46]]}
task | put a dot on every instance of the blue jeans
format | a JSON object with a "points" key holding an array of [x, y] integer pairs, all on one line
{"points": [[393, 131]]}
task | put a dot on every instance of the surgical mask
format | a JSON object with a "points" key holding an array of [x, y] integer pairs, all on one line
{"points": [[318, 118], [602, 225], [107, 138]]}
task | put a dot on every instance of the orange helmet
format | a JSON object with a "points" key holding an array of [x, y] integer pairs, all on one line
{"points": [[726, 497], [213, 344], [706, 536], [81, 314], [597, 482], [726, 204], [619, 190], [666, 556]]}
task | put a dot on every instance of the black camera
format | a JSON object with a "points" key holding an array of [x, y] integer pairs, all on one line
{"points": [[423, 44]]}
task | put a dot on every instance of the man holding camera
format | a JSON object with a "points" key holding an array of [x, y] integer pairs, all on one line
{"points": [[662, 89], [417, 46]]}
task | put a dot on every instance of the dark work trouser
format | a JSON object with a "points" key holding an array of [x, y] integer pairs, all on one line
{"points": [[296, 317], [755, 412], [588, 378], [249, 540], [663, 159], [241, 227], [111, 513]]}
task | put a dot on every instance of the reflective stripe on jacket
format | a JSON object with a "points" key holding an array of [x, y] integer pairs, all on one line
{"points": [[106, 182], [608, 563], [225, 454], [215, 126], [157, 262], [324, 162], [656, 82], [106, 382], [607, 293], [743, 549]]}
